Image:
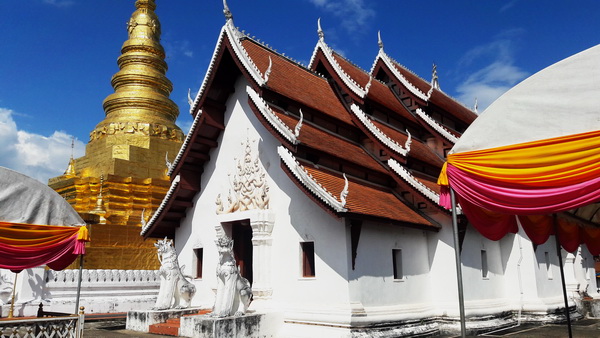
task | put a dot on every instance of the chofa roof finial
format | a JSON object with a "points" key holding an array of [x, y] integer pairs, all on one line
{"points": [[319, 30], [226, 11], [434, 77], [379, 41]]}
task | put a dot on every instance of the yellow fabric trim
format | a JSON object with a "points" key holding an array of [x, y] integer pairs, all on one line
{"points": [[561, 161]]}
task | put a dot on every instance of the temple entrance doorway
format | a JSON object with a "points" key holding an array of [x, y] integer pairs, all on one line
{"points": [[241, 233]]}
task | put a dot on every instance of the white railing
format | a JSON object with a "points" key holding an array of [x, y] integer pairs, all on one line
{"points": [[68, 326]]}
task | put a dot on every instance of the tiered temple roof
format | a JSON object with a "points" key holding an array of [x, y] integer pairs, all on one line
{"points": [[364, 145]]}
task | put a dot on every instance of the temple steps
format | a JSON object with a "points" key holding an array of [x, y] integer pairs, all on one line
{"points": [[171, 326]]}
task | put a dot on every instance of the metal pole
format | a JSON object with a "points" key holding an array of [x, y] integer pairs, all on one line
{"points": [[562, 276], [12, 302], [461, 300], [79, 284]]}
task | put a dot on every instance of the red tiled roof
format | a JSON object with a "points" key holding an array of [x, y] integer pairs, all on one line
{"points": [[368, 200], [360, 76], [299, 84], [418, 149], [383, 95], [438, 98], [328, 143]]}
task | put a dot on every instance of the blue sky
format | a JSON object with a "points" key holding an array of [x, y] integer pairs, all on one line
{"points": [[57, 56]]}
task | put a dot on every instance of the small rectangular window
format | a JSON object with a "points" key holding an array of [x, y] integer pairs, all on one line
{"points": [[484, 264], [199, 255], [548, 266], [397, 262], [308, 259]]}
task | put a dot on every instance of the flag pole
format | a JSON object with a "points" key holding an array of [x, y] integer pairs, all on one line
{"points": [[562, 275], [79, 284], [461, 300]]}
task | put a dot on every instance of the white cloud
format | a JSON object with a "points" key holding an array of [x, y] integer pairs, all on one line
{"points": [[492, 79], [354, 13], [59, 3], [34, 155], [174, 48]]}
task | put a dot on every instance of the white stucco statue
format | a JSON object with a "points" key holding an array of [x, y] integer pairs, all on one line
{"points": [[174, 287], [6, 289], [234, 293]]}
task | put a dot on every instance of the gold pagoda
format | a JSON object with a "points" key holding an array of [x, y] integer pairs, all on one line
{"points": [[122, 179]]}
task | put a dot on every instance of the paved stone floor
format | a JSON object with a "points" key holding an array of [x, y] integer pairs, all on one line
{"points": [[581, 329]]}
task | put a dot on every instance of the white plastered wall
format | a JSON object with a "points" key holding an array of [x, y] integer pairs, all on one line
{"points": [[296, 219]]}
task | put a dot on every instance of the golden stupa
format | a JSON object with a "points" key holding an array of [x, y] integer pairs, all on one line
{"points": [[122, 176]]}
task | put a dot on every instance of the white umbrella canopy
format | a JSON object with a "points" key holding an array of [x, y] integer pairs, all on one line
{"points": [[562, 99], [26, 200]]}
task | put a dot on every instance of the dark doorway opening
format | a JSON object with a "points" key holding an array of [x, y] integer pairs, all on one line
{"points": [[241, 233]]}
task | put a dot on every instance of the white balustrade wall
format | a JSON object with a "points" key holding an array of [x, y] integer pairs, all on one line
{"points": [[102, 291]]}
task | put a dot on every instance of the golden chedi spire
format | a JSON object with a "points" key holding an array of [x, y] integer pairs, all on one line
{"points": [[140, 109], [123, 169]]}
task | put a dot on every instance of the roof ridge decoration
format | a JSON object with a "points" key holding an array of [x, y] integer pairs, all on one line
{"points": [[226, 11], [435, 84], [234, 37], [344, 193], [309, 182], [410, 179], [379, 41], [412, 88], [210, 69], [162, 205], [189, 98], [475, 107], [437, 126], [299, 124], [268, 71], [328, 52], [271, 117], [185, 143], [395, 146]]}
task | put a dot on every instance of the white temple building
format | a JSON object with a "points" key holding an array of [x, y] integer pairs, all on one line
{"points": [[325, 178]]}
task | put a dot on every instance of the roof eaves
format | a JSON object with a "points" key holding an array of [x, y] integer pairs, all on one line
{"points": [[308, 181], [414, 182], [271, 117], [436, 126], [380, 135], [161, 207], [348, 81], [185, 144], [412, 88], [209, 71]]}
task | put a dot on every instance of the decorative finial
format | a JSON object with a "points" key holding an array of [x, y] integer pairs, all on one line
{"points": [[408, 142], [475, 107], [319, 30], [190, 101], [344, 192], [368, 86], [268, 71], [143, 219], [167, 162], [379, 41], [226, 11], [299, 124], [71, 167], [434, 77]]}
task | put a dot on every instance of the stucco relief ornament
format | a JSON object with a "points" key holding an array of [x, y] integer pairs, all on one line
{"points": [[249, 188]]}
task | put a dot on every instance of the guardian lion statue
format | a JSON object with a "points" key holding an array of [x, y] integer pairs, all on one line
{"points": [[174, 287], [234, 292]]}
